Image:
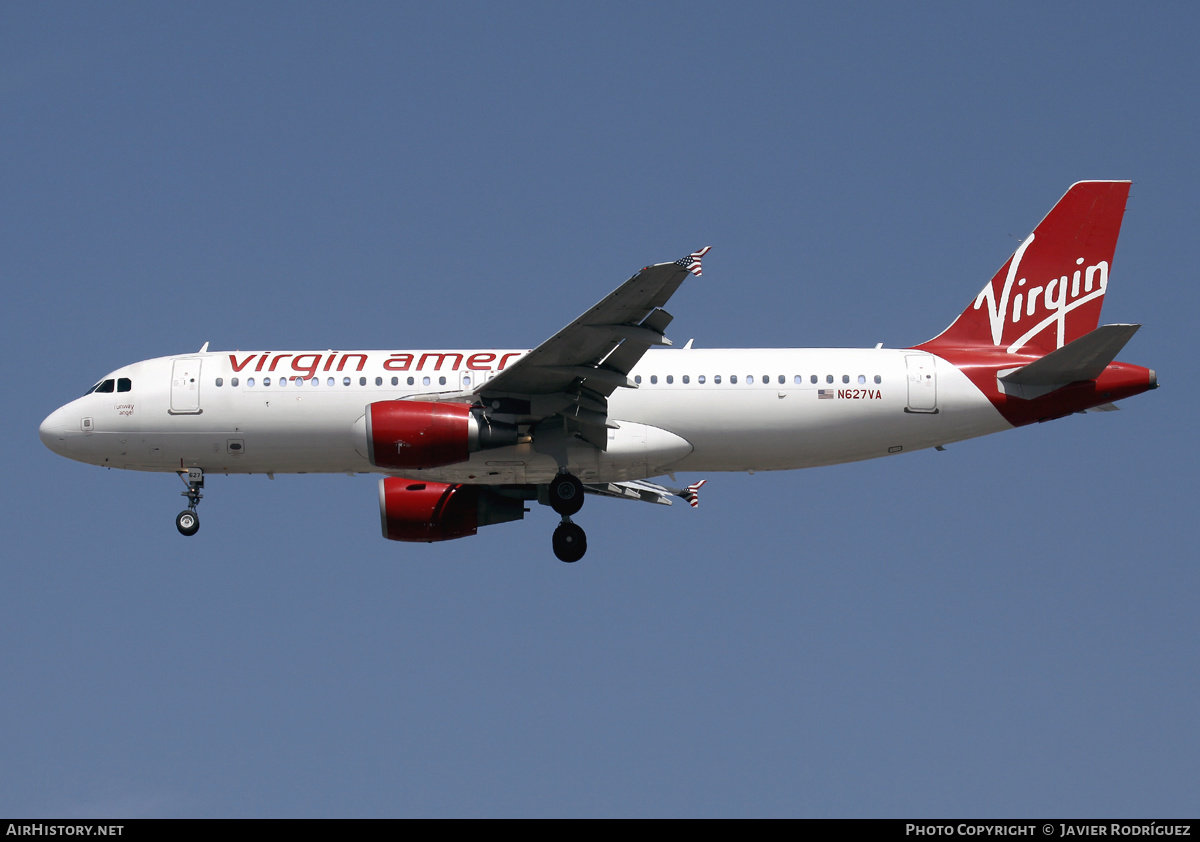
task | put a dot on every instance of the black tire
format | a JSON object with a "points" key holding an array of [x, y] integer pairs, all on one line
{"points": [[570, 542], [187, 522], [566, 494]]}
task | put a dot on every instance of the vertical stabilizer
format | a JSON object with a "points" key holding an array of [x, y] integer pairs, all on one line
{"points": [[1050, 291]]}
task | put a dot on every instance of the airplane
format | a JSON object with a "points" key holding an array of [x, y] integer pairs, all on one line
{"points": [[465, 438]]}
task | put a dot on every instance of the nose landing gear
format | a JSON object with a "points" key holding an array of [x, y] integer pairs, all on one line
{"points": [[187, 521]]}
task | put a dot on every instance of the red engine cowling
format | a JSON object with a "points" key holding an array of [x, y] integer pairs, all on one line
{"points": [[426, 434], [411, 510], [418, 434]]}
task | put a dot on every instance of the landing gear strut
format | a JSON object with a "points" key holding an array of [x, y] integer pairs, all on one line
{"points": [[187, 521], [566, 498]]}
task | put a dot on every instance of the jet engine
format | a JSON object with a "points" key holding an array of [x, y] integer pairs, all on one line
{"points": [[411, 510], [425, 434]]}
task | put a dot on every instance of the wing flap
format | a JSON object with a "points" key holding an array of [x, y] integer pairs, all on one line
{"points": [[647, 492]]}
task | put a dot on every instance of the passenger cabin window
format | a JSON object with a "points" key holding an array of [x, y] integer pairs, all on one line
{"points": [[220, 382]]}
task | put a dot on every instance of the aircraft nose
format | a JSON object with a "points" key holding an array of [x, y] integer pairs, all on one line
{"points": [[53, 431]]}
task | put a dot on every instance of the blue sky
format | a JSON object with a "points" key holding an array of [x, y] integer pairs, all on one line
{"points": [[1007, 628]]}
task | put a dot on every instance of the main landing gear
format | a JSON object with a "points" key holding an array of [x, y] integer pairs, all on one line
{"points": [[570, 541], [566, 498], [566, 494], [187, 521]]}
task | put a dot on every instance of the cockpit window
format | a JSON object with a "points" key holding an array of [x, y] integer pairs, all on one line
{"points": [[124, 384], [105, 386]]}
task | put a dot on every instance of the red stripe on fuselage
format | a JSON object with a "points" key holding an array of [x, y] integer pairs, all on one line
{"points": [[1118, 381]]}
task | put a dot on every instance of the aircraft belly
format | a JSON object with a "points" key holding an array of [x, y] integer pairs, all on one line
{"points": [[635, 451]]}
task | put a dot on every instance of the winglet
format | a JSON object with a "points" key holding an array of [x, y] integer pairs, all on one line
{"points": [[692, 493], [692, 261]]}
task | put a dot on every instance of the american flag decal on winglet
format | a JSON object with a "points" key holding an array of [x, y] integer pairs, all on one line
{"points": [[692, 261], [692, 492]]}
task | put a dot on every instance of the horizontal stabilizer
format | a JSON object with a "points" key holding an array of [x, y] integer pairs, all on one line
{"points": [[1082, 359]]}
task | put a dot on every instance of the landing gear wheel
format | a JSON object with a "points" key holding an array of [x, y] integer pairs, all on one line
{"points": [[570, 542], [187, 522], [566, 494]]}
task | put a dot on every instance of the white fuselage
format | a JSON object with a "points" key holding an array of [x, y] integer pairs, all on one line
{"points": [[694, 410]]}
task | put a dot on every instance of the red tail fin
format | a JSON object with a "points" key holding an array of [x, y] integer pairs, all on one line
{"points": [[1051, 290]]}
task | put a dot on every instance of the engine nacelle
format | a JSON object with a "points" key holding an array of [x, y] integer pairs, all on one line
{"points": [[426, 434], [412, 510]]}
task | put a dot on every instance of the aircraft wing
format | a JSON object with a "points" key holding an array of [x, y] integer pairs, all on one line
{"points": [[574, 371], [646, 491]]}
